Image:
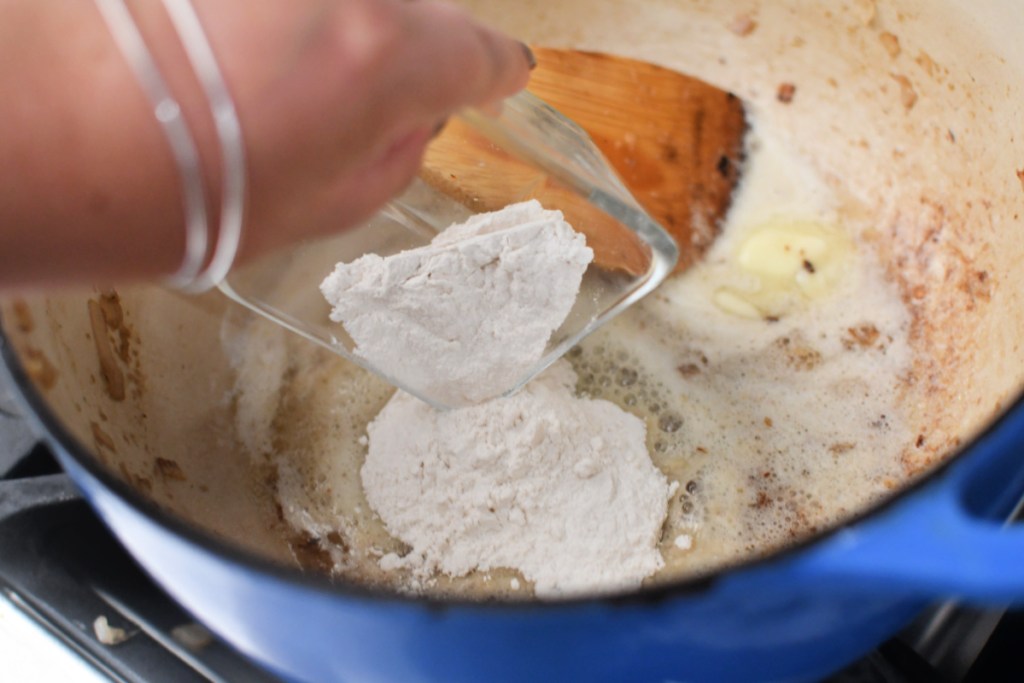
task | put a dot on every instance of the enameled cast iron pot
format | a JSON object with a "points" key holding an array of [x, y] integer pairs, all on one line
{"points": [[130, 390]]}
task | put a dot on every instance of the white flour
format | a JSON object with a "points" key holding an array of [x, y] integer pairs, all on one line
{"points": [[465, 318], [558, 487]]}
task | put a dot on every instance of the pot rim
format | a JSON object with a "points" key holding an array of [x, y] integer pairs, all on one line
{"points": [[55, 433]]}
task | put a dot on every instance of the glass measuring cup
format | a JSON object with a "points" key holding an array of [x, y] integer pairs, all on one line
{"points": [[480, 164]]}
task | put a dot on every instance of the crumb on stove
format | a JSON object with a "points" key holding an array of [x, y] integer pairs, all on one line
{"points": [[193, 636], [107, 634]]}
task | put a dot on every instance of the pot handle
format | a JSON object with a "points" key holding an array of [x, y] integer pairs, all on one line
{"points": [[947, 538]]}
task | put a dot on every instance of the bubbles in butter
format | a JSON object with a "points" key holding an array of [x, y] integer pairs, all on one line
{"points": [[784, 263]]}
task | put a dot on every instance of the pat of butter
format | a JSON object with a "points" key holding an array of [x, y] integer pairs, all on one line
{"points": [[785, 264]]}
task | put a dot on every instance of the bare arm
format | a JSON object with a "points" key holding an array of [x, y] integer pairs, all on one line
{"points": [[337, 99]]}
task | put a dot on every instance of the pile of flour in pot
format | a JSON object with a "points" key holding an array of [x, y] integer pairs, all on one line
{"points": [[558, 487]]}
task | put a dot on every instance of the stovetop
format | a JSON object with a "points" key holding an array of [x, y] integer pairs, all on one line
{"points": [[61, 567]]}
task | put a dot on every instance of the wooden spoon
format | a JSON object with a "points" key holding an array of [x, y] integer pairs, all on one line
{"points": [[675, 141]]}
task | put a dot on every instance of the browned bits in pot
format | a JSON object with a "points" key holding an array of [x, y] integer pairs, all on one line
{"points": [[311, 554], [841, 447], [169, 469], [113, 314], [335, 538], [688, 369], [799, 356], [768, 422], [113, 377], [23, 317], [742, 25], [908, 96], [786, 93], [925, 61], [137, 481], [1020, 177], [102, 439], [891, 43], [977, 286], [864, 335], [40, 369]]}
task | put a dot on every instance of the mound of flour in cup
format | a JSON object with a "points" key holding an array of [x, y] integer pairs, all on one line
{"points": [[556, 486], [464, 318]]}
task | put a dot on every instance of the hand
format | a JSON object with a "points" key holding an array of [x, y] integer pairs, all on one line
{"points": [[337, 100]]}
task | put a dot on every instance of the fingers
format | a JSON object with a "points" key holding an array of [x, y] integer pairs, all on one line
{"points": [[448, 61], [361, 193], [354, 93], [444, 61]]}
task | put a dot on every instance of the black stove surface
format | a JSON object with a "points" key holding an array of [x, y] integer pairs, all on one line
{"points": [[59, 564]]}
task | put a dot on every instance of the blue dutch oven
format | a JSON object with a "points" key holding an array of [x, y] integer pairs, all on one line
{"points": [[796, 615]]}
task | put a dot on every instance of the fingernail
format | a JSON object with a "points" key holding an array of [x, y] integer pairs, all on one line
{"points": [[531, 59], [438, 128]]}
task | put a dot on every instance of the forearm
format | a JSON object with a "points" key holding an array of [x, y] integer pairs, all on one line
{"points": [[90, 190]]}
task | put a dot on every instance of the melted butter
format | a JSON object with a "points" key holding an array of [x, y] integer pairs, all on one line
{"points": [[786, 264], [784, 245]]}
